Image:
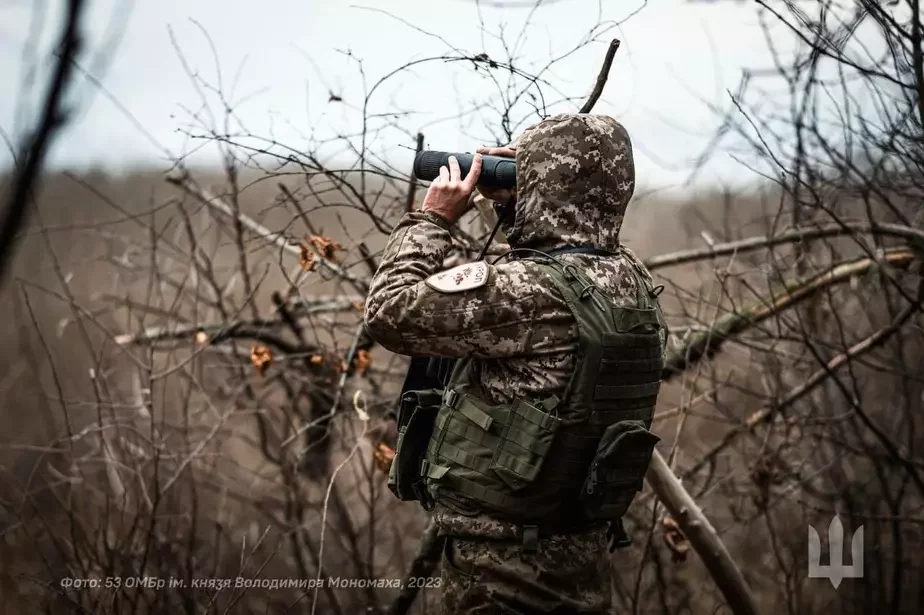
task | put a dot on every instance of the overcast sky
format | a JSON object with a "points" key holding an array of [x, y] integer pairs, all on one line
{"points": [[279, 61]]}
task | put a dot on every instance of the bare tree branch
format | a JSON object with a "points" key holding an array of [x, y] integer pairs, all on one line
{"points": [[602, 77], [702, 536], [32, 152]]}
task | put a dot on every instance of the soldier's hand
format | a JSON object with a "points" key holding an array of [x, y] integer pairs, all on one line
{"points": [[498, 195], [448, 194]]}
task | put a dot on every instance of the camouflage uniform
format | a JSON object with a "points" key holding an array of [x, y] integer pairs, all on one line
{"points": [[575, 178]]}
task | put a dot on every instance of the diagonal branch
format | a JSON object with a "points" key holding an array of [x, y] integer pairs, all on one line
{"points": [[707, 343], [219, 331], [702, 536], [913, 236], [276, 239], [765, 414]]}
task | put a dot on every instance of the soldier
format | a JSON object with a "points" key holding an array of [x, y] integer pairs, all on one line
{"points": [[540, 440]]}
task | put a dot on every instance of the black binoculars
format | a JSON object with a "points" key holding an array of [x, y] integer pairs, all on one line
{"points": [[496, 172]]}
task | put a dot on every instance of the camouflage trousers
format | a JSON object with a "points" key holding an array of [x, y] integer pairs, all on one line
{"points": [[567, 574]]}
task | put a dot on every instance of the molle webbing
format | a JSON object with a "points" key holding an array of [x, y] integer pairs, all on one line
{"points": [[531, 461], [618, 371], [631, 368], [571, 442]]}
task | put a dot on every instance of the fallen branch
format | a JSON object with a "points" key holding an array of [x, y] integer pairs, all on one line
{"points": [[913, 236], [702, 536], [213, 334], [707, 343]]}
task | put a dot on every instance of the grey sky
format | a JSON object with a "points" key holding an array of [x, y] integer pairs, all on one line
{"points": [[283, 58]]}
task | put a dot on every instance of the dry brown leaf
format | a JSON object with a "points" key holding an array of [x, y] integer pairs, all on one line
{"points": [[384, 456], [362, 362], [676, 541], [306, 258], [261, 357], [325, 246], [358, 306]]}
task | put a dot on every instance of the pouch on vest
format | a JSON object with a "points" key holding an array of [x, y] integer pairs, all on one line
{"points": [[463, 443], [524, 444], [617, 470], [487, 453], [416, 418]]}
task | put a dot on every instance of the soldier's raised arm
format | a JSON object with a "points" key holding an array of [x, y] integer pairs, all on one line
{"points": [[473, 310]]}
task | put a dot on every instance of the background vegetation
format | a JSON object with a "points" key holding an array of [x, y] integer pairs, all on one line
{"points": [[187, 392]]}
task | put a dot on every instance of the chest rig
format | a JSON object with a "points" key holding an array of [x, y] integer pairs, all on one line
{"points": [[553, 465]]}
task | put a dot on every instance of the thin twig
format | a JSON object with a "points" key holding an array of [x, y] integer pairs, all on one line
{"points": [[277, 239], [765, 414], [601, 77], [351, 355]]}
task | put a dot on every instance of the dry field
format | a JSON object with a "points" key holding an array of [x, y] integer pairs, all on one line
{"points": [[179, 454]]}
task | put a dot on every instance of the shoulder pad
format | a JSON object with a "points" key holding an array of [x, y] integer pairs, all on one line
{"points": [[462, 277]]}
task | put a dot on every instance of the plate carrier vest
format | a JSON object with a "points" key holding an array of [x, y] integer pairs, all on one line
{"points": [[554, 465]]}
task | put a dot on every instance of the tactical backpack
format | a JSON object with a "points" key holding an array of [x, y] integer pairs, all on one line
{"points": [[551, 465]]}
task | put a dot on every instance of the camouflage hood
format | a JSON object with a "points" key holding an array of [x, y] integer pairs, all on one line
{"points": [[575, 176]]}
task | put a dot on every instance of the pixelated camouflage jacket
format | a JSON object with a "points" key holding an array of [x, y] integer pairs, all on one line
{"points": [[575, 177]]}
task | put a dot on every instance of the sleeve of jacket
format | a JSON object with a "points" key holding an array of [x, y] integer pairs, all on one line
{"points": [[407, 316]]}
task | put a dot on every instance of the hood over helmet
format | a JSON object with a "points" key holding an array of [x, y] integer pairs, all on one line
{"points": [[575, 176]]}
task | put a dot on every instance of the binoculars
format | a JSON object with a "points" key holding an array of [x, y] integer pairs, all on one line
{"points": [[496, 172]]}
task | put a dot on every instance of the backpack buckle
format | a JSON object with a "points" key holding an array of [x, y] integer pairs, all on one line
{"points": [[451, 398]]}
